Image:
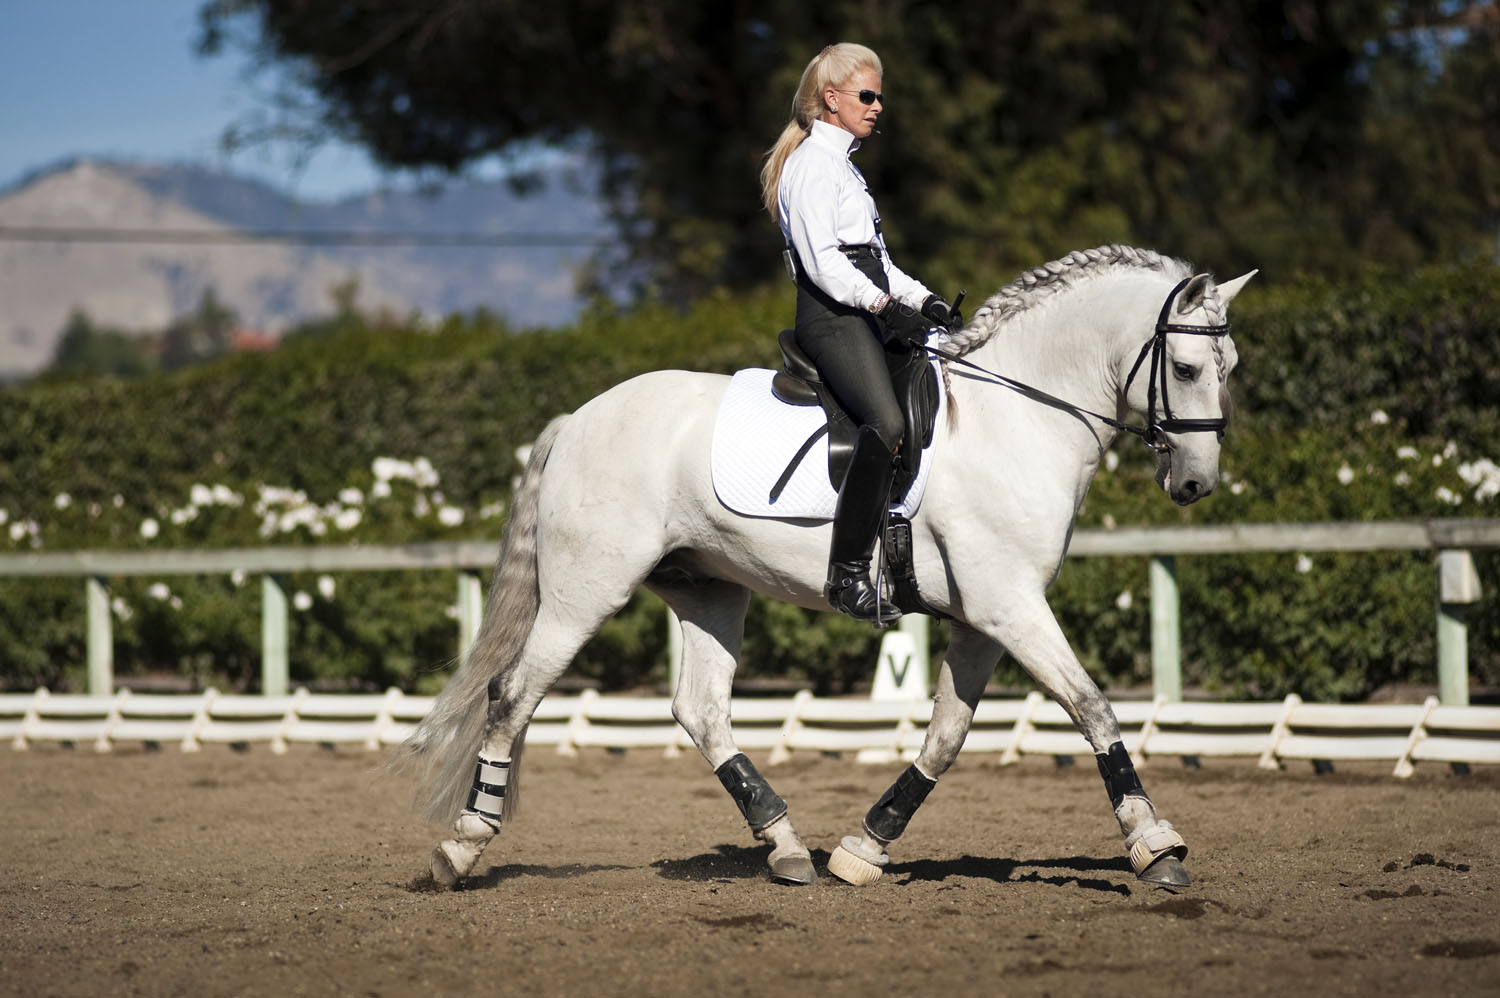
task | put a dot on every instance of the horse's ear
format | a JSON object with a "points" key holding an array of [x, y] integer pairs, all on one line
{"points": [[1229, 289], [1192, 296]]}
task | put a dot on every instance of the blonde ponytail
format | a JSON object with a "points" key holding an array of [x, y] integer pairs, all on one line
{"points": [[829, 68]]}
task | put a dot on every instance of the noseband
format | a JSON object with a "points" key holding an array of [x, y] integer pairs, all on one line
{"points": [[1153, 434], [1156, 430]]}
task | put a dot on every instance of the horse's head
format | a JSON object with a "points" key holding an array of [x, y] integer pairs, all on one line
{"points": [[1181, 384]]}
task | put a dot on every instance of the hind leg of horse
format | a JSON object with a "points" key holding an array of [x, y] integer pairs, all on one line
{"points": [[560, 630], [860, 859], [1030, 632], [713, 623]]}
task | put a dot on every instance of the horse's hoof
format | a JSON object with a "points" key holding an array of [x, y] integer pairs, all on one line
{"points": [[797, 871], [443, 873], [852, 868], [1167, 871]]}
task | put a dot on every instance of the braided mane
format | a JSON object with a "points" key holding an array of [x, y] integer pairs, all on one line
{"points": [[1034, 286]]}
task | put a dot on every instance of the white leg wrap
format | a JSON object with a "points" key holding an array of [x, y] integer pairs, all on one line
{"points": [[1152, 842]]}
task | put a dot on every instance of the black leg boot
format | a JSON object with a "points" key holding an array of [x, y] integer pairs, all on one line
{"points": [[864, 498]]}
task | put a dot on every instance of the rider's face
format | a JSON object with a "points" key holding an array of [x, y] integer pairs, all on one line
{"points": [[844, 108]]}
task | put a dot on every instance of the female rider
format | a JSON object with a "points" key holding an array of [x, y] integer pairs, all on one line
{"points": [[853, 304]]}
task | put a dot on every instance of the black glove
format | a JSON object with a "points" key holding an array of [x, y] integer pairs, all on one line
{"points": [[900, 325], [940, 313]]}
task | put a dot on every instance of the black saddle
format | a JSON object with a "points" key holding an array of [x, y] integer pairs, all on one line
{"points": [[916, 384]]}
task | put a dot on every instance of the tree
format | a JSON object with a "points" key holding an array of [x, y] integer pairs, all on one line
{"points": [[87, 349], [205, 333], [1310, 134]]}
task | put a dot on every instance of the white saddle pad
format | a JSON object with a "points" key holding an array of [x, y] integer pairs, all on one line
{"points": [[756, 436]]}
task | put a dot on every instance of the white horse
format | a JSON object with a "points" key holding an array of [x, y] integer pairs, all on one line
{"points": [[618, 495]]}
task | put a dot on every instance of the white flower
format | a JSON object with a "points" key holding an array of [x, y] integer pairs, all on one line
{"points": [[1450, 449], [523, 454], [184, 515], [17, 530], [492, 510], [94, 510], [121, 609], [302, 601], [326, 586], [1236, 488], [1379, 417], [62, 500], [1111, 461], [1402, 478], [1447, 495], [237, 577], [159, 591], [450, 516], [1482, 475], [424, 474], [4, 516], [1346, 474], [381, 489], [149, 528], [351, 496], [175, 602], [387, 468], [225, 496], [347, 519], [421, 507], [118, 500], [1304, 564], [1124, 600], [201, 495], [1407, 453]]}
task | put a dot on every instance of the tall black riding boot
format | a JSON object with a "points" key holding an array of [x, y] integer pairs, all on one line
{"points": [[864, 498]]}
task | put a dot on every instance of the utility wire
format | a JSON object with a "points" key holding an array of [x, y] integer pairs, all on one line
{"points": [[326, 237]]}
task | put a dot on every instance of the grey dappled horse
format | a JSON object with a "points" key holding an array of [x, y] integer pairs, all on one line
{"points": [[617, 495]]}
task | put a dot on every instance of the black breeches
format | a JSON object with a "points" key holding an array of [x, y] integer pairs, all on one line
{"points": [[844, 343]]}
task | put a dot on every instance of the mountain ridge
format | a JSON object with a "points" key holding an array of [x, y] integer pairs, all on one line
{"points": [[272, 285]]}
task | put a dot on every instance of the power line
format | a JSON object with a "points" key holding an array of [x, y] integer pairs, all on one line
{"points": [[316, 237]]}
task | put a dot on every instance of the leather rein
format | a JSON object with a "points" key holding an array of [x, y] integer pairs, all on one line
{"points": [[1153, 434]]}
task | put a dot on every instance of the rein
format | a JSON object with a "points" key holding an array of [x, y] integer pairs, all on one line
{"points": [[1153, 434]]}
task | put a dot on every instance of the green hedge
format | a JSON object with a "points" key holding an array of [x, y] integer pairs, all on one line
{"points": [[1367, 401]]}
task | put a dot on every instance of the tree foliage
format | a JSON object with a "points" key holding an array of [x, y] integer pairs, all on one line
{"points": [[1294, 134]]}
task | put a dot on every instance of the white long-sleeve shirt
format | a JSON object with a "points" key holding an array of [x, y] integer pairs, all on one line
{"points": [[825, 203]]}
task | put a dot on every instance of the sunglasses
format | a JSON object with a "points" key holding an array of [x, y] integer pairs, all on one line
{"points": [[866, 97]]}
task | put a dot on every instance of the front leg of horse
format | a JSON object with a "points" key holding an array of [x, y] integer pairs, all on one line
{"points": [[861, 859], [1156, 849]]}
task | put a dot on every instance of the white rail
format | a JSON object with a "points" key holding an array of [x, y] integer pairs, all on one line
{"points": [[1403, 734]]}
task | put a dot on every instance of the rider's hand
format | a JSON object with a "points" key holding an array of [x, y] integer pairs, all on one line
{"points": [[940, 313], [899, 324]]}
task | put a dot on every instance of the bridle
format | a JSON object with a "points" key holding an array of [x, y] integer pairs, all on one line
{"points": [[1153, 434]]}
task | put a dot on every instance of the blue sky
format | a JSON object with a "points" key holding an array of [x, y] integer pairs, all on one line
{"points": [[121, 79]]}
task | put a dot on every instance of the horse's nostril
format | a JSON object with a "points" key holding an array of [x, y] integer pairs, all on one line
{"points": [[1191, 488]]}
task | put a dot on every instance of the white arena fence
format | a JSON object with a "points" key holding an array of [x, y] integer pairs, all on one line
{"points": [[883, 731]]}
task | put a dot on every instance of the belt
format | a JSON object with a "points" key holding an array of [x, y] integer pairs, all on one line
{"points": [[855, 252]]}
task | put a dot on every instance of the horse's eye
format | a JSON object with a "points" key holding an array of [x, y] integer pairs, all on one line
{"points": [[1184, 372]]}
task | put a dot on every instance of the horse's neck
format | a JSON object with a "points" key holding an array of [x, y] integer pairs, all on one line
{"points": [[1071, 348]]}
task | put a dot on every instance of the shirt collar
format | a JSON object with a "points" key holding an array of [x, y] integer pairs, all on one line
{"points": [[833, 137]]}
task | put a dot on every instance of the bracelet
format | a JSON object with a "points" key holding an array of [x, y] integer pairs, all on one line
{"points": [[881, 301]]}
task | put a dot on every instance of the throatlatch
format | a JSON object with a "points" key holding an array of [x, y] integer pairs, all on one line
{"points": [[887, 819], [1119, 775], [487, 795], [754, 796]]}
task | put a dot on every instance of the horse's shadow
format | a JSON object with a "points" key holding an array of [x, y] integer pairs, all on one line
{"points": [[731, 862], [493, 876]]}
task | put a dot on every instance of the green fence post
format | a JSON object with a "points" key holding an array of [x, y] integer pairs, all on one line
{"points": [[101, 642], [1166, 628], [470, 609], [1458, 585], [274, 668]]}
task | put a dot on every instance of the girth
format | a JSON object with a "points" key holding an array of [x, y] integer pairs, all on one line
{"points": [[916, 387]]}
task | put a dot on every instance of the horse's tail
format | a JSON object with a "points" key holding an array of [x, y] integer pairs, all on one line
{"points": [[442, 750]]}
